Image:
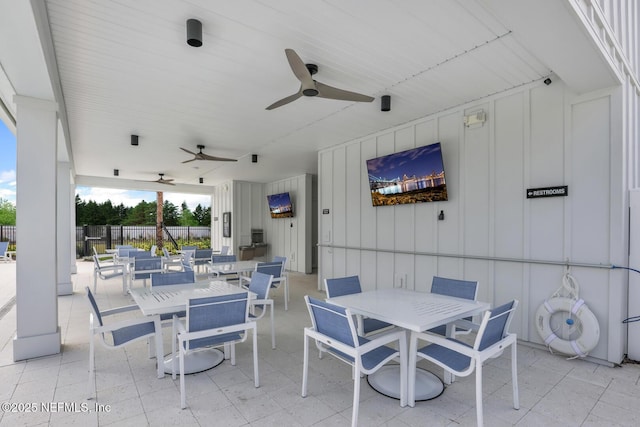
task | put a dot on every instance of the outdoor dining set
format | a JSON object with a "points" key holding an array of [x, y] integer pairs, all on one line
{"points": [[212, 306]]}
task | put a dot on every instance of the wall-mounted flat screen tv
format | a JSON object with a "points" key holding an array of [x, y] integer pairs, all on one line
{"points": [[280, 205], [410, 176]]}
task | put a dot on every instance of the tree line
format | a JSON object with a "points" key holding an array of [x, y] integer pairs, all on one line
{"points": [[144, 213], [7, 212]]}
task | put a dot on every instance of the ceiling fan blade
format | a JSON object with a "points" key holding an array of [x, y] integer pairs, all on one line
{"points": [[299, 69], [285, 101], [326, 91], [218, 159], [190, 160], [190, 152]]}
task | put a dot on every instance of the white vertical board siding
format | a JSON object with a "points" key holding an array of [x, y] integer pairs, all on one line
{"points": [[536, 136], [222, 202], [291, 237]]}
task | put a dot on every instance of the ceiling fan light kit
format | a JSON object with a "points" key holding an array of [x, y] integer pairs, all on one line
{"points": [[310, 87], [194, 32]]}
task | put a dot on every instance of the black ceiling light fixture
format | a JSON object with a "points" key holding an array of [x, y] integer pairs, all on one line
{"points": [[254, 158], [134, 140], [116, 172], [385, 103], [201, 180], [547, 81], [194, 32]]}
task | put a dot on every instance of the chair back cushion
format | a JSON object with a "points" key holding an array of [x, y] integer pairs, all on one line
{"points": [[260, 284], [188, 248], [331, 320], [454, 288], [140, 254], [343, 286], [142, 264], [173, 278], [223, 258], [202, 256], [270, 268], [94, 306], [498, 325]]}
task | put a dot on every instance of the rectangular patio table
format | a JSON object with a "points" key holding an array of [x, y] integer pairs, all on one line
{"points": [[415, 312]]}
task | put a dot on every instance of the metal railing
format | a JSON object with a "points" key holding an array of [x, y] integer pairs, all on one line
{"points": [[105, 237], [8, 233]]}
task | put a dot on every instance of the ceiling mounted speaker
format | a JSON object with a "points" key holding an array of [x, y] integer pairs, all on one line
{"points": [[201, 180], [385, 103], [116, 172], [194, 32], [134, 140], [254, 158]]}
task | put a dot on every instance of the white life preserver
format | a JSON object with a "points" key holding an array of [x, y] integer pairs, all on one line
{"points": [[588, 326]]}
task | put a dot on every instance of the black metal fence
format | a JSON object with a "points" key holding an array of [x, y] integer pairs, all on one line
{"points": [[8, 233], [105, 237]]}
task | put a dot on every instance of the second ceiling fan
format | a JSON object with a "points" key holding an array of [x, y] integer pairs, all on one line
{"points": [[310, 87], [201, 156]]}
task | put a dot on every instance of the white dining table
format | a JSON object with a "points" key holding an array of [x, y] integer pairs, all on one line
{"points": [[172, 299], [415, 312], [236, 267]]}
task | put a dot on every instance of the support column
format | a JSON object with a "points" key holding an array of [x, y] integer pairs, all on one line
{"points": [[72, 228], [38, 333], [65, 286]]}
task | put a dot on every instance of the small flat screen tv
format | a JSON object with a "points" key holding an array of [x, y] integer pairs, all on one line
{"points": [[280, 205], [411, 176]]}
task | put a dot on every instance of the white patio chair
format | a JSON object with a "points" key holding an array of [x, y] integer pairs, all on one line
{"points": [[351, 285], [462, 359], [260, 285], [108, 271], [4, 249], [333, 330], [118, 334], [169, 260], [213, 322], [460, 289]]}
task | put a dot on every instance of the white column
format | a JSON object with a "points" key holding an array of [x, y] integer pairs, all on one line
{"points": [[38, 333], [72, 228], [65, 287]]}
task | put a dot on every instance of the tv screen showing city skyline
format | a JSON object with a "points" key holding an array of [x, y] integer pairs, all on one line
{"points": [[410, 176]]}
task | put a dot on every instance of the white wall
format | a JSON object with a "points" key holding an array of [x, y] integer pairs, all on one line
{"points": [[292, 237], [536, 136]]}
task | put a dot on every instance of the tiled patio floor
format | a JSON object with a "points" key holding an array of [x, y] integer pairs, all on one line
{"points": [[553, 391]]}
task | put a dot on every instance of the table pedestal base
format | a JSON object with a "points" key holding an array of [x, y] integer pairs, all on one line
{"points": [[196, 361], [386, 381]]}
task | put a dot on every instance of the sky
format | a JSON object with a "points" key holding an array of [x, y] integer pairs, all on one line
{"points": [[98, 195]]}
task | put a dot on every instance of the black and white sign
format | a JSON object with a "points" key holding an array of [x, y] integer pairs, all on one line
{"points": [[534, 193]]}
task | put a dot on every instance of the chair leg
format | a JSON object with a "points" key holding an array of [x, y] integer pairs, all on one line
{"points": [[413, 356], [479, 413], [403, 370], [159, 352], [174, 336], [95, 281], [273, 333], [514, 376], [305, 366], [183, 397], [92, 367], [256, 374], [356, 395]]}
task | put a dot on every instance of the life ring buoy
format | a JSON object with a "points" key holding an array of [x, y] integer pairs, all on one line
{"points": [[588, 327]]}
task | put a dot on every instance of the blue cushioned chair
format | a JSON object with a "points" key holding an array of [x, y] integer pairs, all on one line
{"points": [[334, 332], [213, 322], [215, 258], [462, 359], [460, 289], [143, 267], [260, 285], [4, 256], [121, 333], [351, 285], [202, 257]]}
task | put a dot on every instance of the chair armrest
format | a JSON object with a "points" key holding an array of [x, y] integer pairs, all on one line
{"points": [[127, 322], [466, 324], [244, 279], [445, 342], [381, 339], [117, 310]]}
